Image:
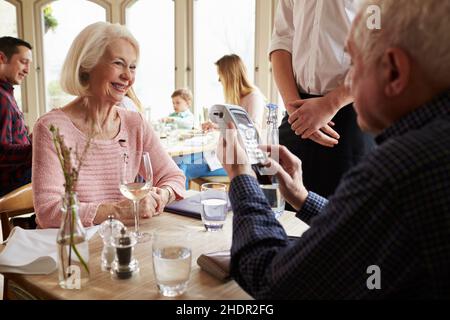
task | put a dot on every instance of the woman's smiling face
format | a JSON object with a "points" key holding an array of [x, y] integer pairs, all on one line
{"points": [[114, 74]]}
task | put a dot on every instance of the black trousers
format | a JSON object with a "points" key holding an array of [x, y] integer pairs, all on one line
{"points": [[322, 166]]}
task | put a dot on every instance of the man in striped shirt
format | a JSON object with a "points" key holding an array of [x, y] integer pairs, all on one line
{"points": [[15, 143], [385, 232]]}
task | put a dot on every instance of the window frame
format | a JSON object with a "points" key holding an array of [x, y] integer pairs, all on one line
{"points": [[19, 18], [29, 24], [39, 36]]}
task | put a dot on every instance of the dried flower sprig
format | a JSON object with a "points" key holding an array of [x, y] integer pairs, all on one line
{"points": [[64, 153], [71, 172]]}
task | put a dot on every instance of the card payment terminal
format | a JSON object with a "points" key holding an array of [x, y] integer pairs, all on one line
{"points": [[247, 133]]}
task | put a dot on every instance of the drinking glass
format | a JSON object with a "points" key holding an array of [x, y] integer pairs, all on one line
{"points": [[274, 197], [135, 187], [172, 134], [214, 205], [272, 190], [172, 257]]}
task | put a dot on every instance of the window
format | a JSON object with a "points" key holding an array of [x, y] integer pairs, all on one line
{"points": [[62, 20], [153, 24], [220, 27], [8, 27], [8, 17]]}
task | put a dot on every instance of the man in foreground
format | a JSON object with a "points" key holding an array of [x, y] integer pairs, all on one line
{"points": [[385, 232]]}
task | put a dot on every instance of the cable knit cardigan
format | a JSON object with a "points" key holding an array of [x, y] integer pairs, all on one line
{"points": [[100, 174]]}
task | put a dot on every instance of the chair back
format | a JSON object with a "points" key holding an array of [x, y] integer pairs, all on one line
{"points": [[17, 202]]}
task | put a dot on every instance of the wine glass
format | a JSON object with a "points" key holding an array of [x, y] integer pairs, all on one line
{"points": [[135, 187]]}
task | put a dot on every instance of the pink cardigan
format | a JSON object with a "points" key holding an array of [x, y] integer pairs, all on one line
{"points": [[100, 174]]}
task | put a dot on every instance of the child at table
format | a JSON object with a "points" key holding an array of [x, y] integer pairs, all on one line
{"points": [[182, 117]]}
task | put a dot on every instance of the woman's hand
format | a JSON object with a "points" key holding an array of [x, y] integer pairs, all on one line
{"points": [[124, 211], [151, 204], [164, 194], [209, 126]]}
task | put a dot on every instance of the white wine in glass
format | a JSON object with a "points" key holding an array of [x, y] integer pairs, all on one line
{"points": [[136, 187]]}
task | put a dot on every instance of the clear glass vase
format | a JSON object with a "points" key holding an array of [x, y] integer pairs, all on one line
{"points": [[72, 246]]}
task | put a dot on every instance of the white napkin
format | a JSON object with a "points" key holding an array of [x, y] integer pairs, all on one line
{"points": [[32, 251], [212, 160]]}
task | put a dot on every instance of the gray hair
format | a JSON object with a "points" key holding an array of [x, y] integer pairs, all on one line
{"points": [[86, 51], [420, 27]]}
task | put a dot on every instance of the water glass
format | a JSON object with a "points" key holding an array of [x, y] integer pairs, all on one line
{"points": [[274, 197], [172, 134], [214, 205], [171, 260]]}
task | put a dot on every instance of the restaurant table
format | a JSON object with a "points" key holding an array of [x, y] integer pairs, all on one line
{"points": [[102, 286], [183, 146]]}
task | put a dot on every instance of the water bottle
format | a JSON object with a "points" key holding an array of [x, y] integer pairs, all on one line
{"points": [[272, 190], [272, 124]]}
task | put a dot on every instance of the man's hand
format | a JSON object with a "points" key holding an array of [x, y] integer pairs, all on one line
{"points": [[289, 173], [312, 120], [232, 155]]}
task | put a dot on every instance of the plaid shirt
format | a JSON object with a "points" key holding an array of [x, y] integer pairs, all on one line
{"points": [[392, 210], [15, 144]]}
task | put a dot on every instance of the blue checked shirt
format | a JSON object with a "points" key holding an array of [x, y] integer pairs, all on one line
{"points": [[392, 211]]}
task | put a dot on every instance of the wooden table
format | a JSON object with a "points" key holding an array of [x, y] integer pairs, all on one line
{"points": [[102, 286]]}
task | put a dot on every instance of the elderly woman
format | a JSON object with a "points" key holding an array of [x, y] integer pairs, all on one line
{"points": [[99, 69]]}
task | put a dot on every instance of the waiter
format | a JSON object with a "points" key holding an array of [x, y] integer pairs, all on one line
{"points": [[310, 64]]}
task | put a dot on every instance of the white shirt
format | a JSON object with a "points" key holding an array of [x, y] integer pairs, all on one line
{"points": [[315, 32], [254, 103]]}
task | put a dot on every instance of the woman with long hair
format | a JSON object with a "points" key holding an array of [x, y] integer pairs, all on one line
{"points": [[238, 89]]}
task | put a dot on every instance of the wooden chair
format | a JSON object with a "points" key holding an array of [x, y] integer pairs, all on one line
{"points": [[15, 203]]}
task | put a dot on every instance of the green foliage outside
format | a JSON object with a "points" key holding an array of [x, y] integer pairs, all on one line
{"points": [[50, 21]]}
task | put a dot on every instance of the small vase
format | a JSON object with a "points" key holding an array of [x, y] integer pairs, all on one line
{"points": [[72, 246]]}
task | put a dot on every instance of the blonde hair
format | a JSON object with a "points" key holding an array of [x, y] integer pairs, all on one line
{"points": [[132, 95], [420, 27], [233, 75], [85, 52], [185, 94]]}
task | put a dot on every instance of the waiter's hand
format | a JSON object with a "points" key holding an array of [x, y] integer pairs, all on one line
{"points": [[312, 120]]}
